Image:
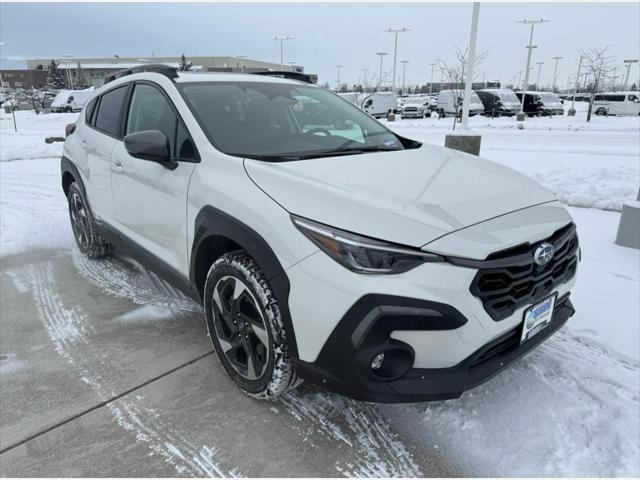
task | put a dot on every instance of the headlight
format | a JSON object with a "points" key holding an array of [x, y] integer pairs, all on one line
{"points": [[361, 254]]}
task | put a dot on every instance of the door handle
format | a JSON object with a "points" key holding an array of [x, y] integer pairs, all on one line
{"points": [[117, 167]]}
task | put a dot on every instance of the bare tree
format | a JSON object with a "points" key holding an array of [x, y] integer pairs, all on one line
{"points": [[597, 63], [454, 73]]}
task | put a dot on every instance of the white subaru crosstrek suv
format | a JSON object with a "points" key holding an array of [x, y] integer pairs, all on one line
{"points": [[322, 245]]}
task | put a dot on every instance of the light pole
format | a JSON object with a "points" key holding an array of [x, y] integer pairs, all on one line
{"points": [[520, 79], [555, 73], [473, 35], [533, 23], [538, 79], [282, 39], [431, 83], [626, 77], [613, 82], [338, 67], [381, 55], [395, 51], [404, 72]]}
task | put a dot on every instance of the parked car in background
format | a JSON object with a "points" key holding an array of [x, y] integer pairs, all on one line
{"points": [[71, 100], [551, 103], [378, 104], [413, 107], [617, 103], [450, 103], [532, 105], [499, 102]]}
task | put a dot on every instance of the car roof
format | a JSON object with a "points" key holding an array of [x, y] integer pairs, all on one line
{"points": [[204, 77]]}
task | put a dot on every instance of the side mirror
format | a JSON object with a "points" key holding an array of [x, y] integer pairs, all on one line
{"points": [[152, 145]]}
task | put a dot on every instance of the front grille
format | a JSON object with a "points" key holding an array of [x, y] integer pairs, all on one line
{"points": [[512, 279]]}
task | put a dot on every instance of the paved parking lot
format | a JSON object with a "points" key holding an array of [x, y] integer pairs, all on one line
{"points": [[116, 376]]}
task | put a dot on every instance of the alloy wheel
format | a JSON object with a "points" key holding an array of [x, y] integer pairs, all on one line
{"points": [[79, 220], [240, 327]]}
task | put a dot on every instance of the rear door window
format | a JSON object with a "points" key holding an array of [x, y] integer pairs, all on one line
{"points": [[108, 116]]}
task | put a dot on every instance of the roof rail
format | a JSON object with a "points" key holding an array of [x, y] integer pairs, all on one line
{"points": [[166, 70], [302, 77]]}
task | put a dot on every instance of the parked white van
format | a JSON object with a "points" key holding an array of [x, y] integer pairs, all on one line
{"points": [[379, 103], [71, 100], [447, 104], [617, 103]]}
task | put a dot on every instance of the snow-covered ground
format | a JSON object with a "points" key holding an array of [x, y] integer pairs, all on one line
{"points": [[572, 407]]}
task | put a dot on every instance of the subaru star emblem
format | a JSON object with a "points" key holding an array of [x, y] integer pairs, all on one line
{"points": [[543, 254]]}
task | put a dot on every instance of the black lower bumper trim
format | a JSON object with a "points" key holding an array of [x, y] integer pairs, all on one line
{"points": [[420, 385]]}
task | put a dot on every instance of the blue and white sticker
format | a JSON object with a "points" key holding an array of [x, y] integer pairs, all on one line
{"points": [[389, 142]]}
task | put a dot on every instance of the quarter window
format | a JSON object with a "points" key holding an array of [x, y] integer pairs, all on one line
{"points": [[108, 116], [89, 110]]}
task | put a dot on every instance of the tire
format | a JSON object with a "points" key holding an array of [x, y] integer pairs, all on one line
{"points": [[601, 112], [245, 322], [89, 241]]}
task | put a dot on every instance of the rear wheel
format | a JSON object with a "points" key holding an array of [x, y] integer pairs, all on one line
{"points": [[601, 112], [89, 241], [245, 327]]}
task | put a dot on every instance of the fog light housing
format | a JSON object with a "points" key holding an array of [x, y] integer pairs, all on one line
{"points": [[377, 361]]}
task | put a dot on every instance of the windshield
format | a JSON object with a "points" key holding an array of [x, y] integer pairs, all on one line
{"points": [[414, 101], [508, 96], [548, 97], [276, 121]]}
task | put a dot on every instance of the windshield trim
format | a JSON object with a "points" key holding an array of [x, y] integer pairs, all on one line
{"points": [[405, 142]]}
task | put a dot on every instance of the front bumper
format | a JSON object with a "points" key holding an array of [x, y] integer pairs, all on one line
{"points": [[345, 369], [412, 114]]}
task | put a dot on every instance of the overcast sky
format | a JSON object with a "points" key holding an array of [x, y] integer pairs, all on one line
{"points": [[326, 34]]}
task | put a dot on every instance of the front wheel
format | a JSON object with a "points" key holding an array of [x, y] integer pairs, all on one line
{"points": [[246, 329], [89, 241], [601, 112]]}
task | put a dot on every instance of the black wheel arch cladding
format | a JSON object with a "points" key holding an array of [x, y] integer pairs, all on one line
{"points": [[211, 223]]}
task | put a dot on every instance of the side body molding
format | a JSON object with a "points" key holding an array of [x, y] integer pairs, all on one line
{"points": [[211, 222]]}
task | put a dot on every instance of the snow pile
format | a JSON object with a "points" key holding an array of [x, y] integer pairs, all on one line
{"points": [[33, 209], [606, 188], [592, 164], [28, 143]]}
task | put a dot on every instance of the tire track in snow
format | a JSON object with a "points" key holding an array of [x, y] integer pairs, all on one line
{"points": [[377, 452], [132, 282], [70, 330], [357, 425]]}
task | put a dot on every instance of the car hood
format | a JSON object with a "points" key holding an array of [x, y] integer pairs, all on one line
{"points": [[410, 197]]}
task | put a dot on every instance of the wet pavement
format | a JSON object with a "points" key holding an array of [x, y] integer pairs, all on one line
{"points": [[108, 371]]}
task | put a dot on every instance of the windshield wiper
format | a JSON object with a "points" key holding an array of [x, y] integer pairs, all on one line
{"points": [[326, 153]]}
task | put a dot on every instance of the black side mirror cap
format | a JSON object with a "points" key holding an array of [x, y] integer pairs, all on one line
{"points": [[152, 145]]}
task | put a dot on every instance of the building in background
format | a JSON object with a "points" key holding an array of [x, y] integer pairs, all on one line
{"points": [[22, 78], [95, 70]]}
